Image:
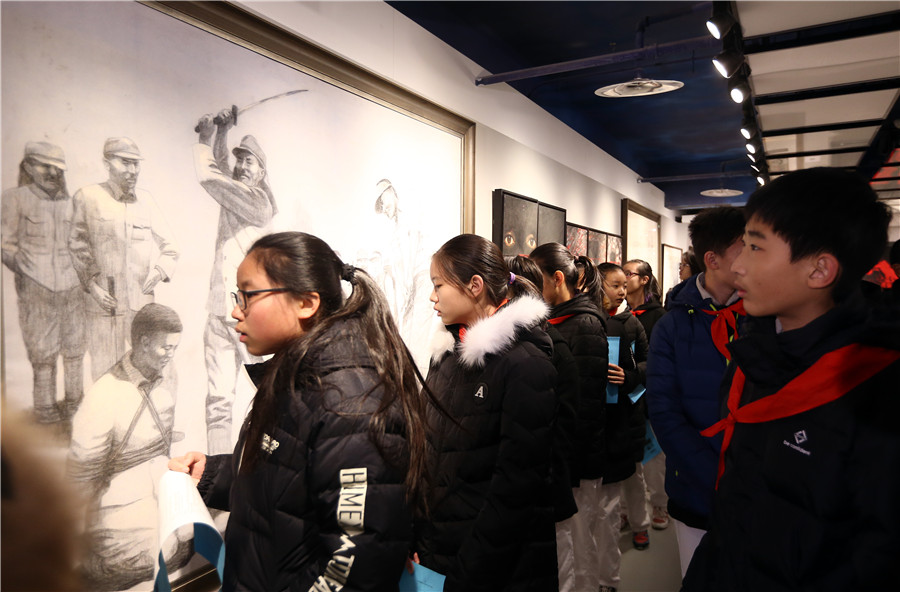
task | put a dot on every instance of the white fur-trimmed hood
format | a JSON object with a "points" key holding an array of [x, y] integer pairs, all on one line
{"points": [[492, 335]]}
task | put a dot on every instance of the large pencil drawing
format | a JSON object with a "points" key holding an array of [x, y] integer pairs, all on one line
{"points": [[184, 150]]}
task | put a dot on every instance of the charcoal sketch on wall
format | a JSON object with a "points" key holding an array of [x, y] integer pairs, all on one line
{"points": [[142, 156]]}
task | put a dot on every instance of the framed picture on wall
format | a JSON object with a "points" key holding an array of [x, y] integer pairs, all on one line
{"points": [[671, 265], [521, 223], [577, 239], [380, 174], [641, 233], [584, 241], [614, 248]]}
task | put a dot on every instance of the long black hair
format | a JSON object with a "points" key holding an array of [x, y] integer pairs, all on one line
{"points": [[579, 272], [303, 264], [469, 255], [652, 289]]}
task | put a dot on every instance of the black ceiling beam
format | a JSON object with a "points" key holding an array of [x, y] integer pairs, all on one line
{"points": [[839, 31], [850, 88], [828, 127], [880, 179], [694, 44], [695, 177], [827, 152], [883, 144]]}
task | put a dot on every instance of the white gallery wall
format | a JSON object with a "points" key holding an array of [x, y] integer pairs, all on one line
{"points": [[518, 146]]}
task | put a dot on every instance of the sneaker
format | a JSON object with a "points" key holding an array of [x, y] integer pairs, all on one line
{"points": [[660, 518], [607, 589], [641, 540]]}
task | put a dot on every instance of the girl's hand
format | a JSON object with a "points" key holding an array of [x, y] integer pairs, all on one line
{"points": [[191, 463], [409, 562], [616, 374]]}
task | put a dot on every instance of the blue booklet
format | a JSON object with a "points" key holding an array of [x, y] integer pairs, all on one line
{"points": [[421, 580]]}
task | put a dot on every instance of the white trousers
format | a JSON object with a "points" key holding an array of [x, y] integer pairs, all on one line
{"points": [[595, 535], [688, 538], [655, 477], [634, 500]]}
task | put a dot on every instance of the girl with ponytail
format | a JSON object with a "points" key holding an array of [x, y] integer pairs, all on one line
{"points": [[574, 313], [490, 526], [643, 293], [330, 462]]}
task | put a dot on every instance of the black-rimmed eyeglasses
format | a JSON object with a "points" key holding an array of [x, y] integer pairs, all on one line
{"points": [[241, 298]]}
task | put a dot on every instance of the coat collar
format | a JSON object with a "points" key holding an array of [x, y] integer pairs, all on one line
{"points": [[491, 335]]}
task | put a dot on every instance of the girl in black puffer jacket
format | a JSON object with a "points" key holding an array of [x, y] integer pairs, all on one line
{"points": [[331, 458], [491, 523], [581, 539]]}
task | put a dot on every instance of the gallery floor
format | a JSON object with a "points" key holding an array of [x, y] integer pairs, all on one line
{"points": [[655, 569]]}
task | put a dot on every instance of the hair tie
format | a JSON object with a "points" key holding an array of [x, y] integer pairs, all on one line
{"points": [[512, 278], [348, 272]]}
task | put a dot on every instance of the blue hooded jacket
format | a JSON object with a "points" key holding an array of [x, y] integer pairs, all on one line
{"points": [[684, 372]]}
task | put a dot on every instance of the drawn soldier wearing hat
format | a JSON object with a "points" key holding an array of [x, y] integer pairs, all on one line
{"points": [[246, 210], [121, 247], [36, 217]]}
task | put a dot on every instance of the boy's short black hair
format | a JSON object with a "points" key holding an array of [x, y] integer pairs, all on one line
{"points": [[715, 229], [826, 210]]}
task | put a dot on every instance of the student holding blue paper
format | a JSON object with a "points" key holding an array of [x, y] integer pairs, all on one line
{"points": [[331, 458], [625, 414], [580, 539], [491, 522]]}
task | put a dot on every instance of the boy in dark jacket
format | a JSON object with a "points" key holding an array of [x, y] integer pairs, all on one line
{"points": [[808, 480], [685, 368]]}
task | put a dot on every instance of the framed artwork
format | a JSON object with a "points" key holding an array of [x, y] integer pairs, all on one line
{"points": [[577, 240], [614, 249], [584, 241], [671, 266], [520, 223], [641, 233], [382, 175]]}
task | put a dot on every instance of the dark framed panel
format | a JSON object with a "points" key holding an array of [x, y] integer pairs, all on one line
{"points": [[671, 266], [640, 233], [614, 253], [585, 241], [520, 223]]}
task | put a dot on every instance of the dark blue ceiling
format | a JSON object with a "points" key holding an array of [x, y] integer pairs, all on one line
{"points": [[691, 131]]}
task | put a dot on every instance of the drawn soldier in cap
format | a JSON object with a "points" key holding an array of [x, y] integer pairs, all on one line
{"points": [[36, 217], [246, 210], [121, 247]]}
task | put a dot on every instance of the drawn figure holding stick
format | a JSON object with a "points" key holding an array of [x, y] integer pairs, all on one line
{"points": [[121, 247], [36, 218], [247, 208]]}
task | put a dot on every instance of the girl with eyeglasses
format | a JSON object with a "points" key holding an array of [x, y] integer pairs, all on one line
{"points": [[337, 424]]}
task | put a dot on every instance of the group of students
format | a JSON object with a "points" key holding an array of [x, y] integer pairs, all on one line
{"points": [[503, 468]]}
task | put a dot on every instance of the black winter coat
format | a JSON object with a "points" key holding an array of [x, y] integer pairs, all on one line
{"points": [[648, 314], [808, 502], [564, 468], [323, 507], [626, 421], [491, 525], [583, 326]]}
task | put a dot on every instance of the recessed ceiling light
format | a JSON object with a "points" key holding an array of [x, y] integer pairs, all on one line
{"points": [[721, 193], [639, 87]]}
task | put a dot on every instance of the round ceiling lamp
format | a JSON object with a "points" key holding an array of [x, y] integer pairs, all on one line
{"points": [[639, 87], [721, 192]]}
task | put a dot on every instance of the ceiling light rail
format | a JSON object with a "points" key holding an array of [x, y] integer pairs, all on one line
{"points": [[675, 47]]}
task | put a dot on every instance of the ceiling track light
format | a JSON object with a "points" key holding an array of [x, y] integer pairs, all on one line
{"points": [[728, 63], [751, 157], [749, 129], [739, 89], [721, 20]]}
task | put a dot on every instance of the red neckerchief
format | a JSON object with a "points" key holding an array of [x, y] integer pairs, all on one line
{"points": [[726, 319], [638, 313], [463, 329], [825, 381], [559, 320]]}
